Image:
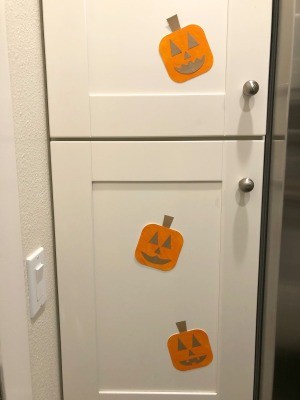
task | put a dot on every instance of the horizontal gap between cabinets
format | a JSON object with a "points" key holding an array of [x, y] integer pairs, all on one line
{"points": [[156, 139], [132, 95], [121, 392], [163, 182]]}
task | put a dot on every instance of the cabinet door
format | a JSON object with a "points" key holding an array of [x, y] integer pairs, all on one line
{"points": [[106, 77], [117, 314]]}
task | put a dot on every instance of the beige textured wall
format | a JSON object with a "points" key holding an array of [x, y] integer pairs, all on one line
{"points": [[24, 35]]}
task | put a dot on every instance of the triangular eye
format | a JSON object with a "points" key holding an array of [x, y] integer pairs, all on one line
{"points": [[195, 342], [191, 41], [154, 239], [167, 243], [174, 49], [181, 346]]}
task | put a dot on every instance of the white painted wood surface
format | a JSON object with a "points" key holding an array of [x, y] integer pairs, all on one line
{"points": [[248, 49], [124, 38], [157, 161], [98, 219], [137, 307], [240, 235], [157, 115], [72, 195], [106, 78], [67, 67]]}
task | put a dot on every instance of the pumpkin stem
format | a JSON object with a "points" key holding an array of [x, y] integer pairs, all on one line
{"points": [[181, 326], [174, 23], [167, 221]]}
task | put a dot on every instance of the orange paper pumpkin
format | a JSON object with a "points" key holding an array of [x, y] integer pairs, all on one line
{"points": [[159, 246], [189, 349], [185, 52]]}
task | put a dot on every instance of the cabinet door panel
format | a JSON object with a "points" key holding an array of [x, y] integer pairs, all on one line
{"points": [[106, 77], [129, 61], [137, 306], [116, 314]]}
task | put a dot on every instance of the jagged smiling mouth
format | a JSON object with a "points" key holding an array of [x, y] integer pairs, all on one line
{"points": [[196, 360], [191, 66], [155, 259]]}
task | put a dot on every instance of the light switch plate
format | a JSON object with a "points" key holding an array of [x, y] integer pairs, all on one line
{"points": [[36, 279]]}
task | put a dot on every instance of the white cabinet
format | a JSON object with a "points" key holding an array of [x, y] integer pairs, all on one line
{"points": [[116, 314], [106, 77], [129, 146]]}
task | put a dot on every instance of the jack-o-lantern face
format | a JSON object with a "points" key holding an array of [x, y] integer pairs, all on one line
{"points": [[159, 246], [185, 52], [189, 349]]}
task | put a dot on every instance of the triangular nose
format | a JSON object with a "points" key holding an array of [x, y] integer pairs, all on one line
{"points": [[186, 55], [191, 353], [157, 251]]}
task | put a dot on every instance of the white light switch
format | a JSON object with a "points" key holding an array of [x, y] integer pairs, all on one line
{"points": [[36, 279]]}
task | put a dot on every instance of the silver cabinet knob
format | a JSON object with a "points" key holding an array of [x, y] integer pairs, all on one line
{"points": [[250, 88], [246, 185]]}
